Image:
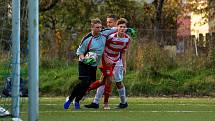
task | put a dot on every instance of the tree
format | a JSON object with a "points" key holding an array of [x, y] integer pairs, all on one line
{"points": [[46, 5], [158, 19]]}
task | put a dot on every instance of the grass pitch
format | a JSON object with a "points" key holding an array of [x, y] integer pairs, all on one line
{"points": [[140, 109]]}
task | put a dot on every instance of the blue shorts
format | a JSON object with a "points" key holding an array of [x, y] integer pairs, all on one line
{"points": [[118, 73]]}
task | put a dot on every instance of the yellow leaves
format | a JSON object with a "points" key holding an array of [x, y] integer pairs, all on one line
{"points": [[58, 35]]}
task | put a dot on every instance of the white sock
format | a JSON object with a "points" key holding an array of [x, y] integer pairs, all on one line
{"points": [[99, 94], [122, 95]]}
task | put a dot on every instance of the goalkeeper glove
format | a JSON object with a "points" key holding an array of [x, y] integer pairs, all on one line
{"points": [[89, 61], [132, 32]]}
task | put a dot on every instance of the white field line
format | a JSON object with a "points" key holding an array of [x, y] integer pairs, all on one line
{"points": [[145, 98], [118, 111], [185, 104]]}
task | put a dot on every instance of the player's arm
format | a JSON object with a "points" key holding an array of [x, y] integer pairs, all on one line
{"points": [[108, 32], [124, 61], [81, 53], [82, 48], [124, 55]]}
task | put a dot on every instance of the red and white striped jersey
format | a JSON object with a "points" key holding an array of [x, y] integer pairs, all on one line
{"points": [[114, 46]]}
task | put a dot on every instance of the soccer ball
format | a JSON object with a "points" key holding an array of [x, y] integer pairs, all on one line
{"points": [[90, 58], [91, 55]]}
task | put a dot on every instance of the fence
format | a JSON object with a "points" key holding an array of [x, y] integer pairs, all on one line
{"points": [[62, 44], [59, 44], [149, 55]]}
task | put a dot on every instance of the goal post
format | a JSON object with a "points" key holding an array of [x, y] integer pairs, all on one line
{"points": [[33, 38], [15, 58], [15, 16]]}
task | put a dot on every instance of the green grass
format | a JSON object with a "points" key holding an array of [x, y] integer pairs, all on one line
{"points": [[56, 78], [140, 109]]}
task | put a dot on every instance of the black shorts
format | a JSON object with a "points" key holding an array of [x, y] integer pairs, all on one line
{"points": [[87, 74]]}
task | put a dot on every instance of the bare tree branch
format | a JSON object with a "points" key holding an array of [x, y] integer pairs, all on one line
{"points": [[50, 5]]}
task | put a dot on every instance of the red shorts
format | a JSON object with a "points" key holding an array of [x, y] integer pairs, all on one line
{"points": [[107, 70]]}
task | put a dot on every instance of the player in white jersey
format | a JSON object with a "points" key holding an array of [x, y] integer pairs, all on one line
{"points": [[118, 74]]}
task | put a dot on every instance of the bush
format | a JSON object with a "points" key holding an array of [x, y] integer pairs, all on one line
{"points": [[154, 60], [58, 80], [201, 87]]}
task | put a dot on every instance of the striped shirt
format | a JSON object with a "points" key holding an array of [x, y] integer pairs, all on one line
{"points": [[114, 46]]}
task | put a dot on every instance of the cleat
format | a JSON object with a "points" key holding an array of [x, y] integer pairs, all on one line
{"points": [[3, 112], [76, 105], [122, 106], [16, 119], [67, 103], [92, 105], [106, 107]]}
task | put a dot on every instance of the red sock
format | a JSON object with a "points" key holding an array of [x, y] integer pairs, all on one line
{"points": [[94, 85], [107, 93]]}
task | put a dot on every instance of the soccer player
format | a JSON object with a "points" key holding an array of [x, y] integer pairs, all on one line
{"points": [[93, 43], [114, 63], [118, 76]]}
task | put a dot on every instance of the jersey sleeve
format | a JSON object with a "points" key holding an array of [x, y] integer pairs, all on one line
{"points": [[83, 46], [126, 46], [107, 32]]}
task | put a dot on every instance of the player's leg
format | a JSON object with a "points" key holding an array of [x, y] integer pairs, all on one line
{"points": [[98, 96], [73, 94], [97, 83], [84, 86], [122, 95], [107, 91], [84, 77], [108, 77], [118, 77], [86, 83], [99, 91]]}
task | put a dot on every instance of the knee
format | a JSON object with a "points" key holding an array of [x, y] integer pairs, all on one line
{"points": [[119, 85], [107, 89]]}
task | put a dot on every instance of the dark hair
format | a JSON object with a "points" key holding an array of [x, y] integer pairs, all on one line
{"points": [[122, 21], [112, 16]]}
